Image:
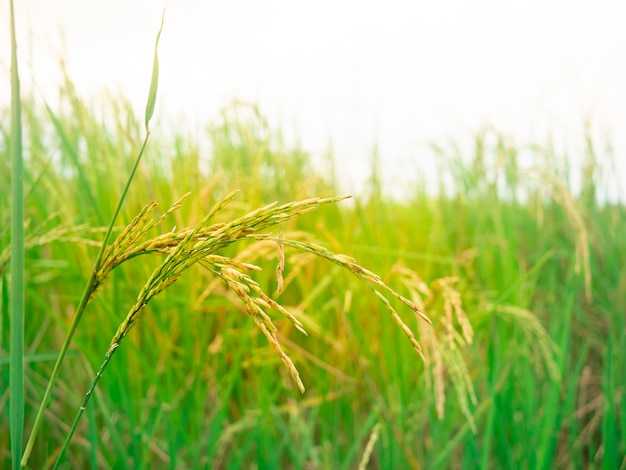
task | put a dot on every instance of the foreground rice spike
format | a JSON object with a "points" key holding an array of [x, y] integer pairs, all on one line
{"points": [[199, 245]]}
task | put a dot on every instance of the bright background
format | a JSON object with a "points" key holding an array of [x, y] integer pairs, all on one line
{"points": [[395, 74]]}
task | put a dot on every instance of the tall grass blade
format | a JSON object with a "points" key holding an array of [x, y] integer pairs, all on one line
{"points": [[90, 287], [16, 375]]}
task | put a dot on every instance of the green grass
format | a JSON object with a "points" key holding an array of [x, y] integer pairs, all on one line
{"points": [[16, 300], [524, 363]]}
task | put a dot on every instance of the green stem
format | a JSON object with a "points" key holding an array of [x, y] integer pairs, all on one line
{"points": [[17, 298], [80, 309], [82, 408]]}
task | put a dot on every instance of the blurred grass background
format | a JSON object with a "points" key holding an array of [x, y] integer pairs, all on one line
{"points": [[536, 380]]}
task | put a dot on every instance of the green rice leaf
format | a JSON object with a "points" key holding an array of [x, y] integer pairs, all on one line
{"points": [[154, 84], [16, 374]]}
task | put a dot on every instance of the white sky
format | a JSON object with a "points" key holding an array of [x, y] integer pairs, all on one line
{"points": [[397, 73]]}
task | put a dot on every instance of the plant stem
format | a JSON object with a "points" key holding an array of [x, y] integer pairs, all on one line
{"points": [[16, 374], [82, 408], [80, 309]]}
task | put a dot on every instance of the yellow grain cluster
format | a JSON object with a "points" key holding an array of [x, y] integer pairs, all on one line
{"points": [[200, 244]]}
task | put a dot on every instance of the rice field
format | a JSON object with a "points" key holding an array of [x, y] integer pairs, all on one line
{"points": [[481, 326]]}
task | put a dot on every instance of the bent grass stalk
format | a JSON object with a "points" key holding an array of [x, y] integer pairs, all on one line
{"points": [[199, 245], [91, 285]]}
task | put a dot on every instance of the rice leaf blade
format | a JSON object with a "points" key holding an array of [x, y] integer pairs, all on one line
{"points": [[16, 374], [154, 83]]}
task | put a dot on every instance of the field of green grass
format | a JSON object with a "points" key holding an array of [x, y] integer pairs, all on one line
{"points": [[524, 282]]}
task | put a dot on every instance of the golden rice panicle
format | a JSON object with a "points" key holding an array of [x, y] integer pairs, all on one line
{"points": [[126, 244], [444, 358], [369, 278], [421, 295], [116, 253], [273, 340], [241, 285], [186, 247], [453, 309], [562, 196], [401, 324]]}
